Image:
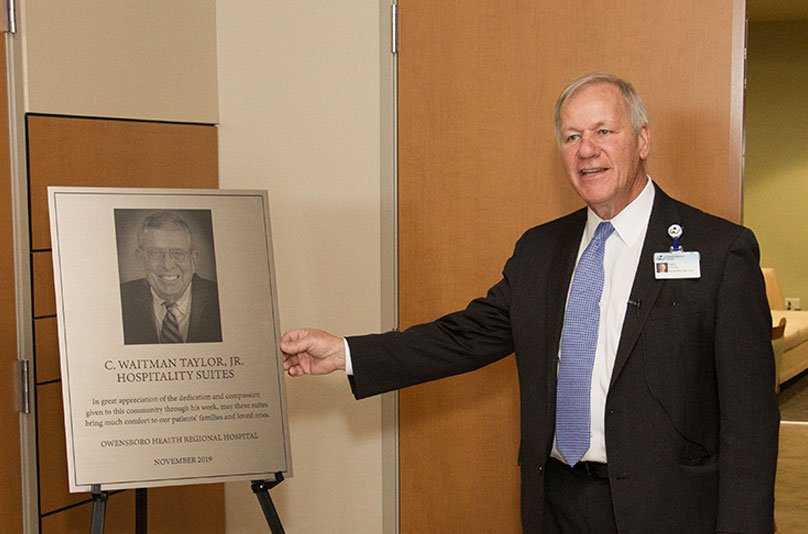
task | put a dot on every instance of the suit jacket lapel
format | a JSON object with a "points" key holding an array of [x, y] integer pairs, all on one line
{"points": [[199, 299], [646, 287], [558, 282], [145, 307]]}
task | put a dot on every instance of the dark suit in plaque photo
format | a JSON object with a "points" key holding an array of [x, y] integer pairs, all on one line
{"points": [[167, 269]]}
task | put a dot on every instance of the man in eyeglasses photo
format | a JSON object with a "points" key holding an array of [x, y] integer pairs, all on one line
{"points": [[171, 303]]}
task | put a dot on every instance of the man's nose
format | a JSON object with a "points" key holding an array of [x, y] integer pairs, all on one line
{"points": [[588, 147], [168, 261]]}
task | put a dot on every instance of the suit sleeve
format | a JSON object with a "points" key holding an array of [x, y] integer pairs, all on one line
{"points": [[749, 421], [453, 344]]}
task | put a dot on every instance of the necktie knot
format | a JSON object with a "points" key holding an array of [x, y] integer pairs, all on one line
{"points": [[603, 231]]}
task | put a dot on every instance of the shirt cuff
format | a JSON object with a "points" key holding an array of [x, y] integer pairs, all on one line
{"points": [[348, 364]]}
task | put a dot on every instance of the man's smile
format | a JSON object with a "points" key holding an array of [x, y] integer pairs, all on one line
{"points": [[590, 172]]}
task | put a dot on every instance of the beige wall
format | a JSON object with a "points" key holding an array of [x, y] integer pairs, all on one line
{"points": [[145, 59], [300, 116], [776, 177], [295, 88]]}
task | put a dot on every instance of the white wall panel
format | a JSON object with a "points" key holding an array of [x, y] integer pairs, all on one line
{"points": [[299, 100]]}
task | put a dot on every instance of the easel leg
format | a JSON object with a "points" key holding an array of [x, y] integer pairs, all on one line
{"points": [[261, 489], [99, 509], [141, 510]]}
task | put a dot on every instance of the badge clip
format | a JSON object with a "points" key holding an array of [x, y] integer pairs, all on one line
{"points": [[676, 263], [675, 232]]}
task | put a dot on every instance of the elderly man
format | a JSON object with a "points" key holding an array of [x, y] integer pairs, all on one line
{"points": [[646, 397], [171, 304]]}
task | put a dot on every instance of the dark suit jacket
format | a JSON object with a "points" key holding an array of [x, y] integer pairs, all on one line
{"points": [[691, 416], [139, 326]]}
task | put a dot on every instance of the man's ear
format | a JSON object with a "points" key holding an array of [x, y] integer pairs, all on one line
{"points": [[644, 142], [139, 253]]}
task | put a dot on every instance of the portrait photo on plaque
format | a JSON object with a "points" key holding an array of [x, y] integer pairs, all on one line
{"points": [[168, 337], [167, 269]]}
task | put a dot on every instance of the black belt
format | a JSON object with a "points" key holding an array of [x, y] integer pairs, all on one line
{"points": [[594, 470]]}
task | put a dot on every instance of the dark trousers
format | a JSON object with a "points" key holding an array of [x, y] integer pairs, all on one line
{"points": [[576, 502]]}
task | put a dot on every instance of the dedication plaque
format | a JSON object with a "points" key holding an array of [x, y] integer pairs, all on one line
{"points": [[168, 336]]}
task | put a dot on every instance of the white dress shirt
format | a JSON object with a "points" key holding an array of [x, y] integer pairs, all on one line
{"points": [[182, 312], [620, 261]]}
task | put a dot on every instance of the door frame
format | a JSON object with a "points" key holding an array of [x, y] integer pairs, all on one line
{"points": [[388, 83], [22, 279]]}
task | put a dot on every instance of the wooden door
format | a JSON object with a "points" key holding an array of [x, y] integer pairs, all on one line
{"points": [[478, 166], [114, 153]]}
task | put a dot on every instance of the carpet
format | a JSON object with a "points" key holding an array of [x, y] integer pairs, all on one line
{"points": [[793, 399], [791, 487]]}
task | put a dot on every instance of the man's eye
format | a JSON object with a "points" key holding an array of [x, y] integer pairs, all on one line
{"points": [[154, 254], [157, 254], [604, 131], [178, 254], [573, 137]]}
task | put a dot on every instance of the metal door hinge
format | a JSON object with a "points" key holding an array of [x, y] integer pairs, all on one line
{"points": [[23, 386], [9, 16], [394, 18]]}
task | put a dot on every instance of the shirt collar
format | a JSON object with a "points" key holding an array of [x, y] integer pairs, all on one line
{"points": [[183, 303], [631, 223]]}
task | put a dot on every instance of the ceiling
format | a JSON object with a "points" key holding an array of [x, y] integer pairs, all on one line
{"points": [[776, 10]]}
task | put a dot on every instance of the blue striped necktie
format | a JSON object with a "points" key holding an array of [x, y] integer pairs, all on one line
{"points": [[579, 340], [170, 330]]}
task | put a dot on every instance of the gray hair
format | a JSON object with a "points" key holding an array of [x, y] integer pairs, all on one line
{"points": [[638, 115], [164, 220]]}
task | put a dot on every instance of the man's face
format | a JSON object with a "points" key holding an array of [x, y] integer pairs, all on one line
{"points": [[168, 261], [601, 154]]}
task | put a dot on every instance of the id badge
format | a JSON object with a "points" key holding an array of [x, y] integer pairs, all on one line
{"points": [[677, 265]]}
